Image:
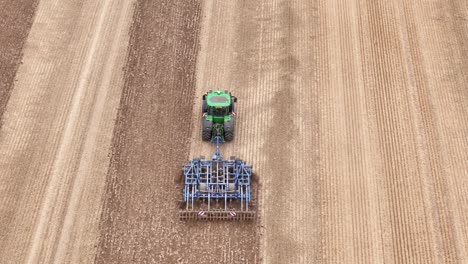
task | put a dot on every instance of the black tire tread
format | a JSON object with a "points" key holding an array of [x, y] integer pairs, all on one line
{"points": [[206, 135], [229, 135]]}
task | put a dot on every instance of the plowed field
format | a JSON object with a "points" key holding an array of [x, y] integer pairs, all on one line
{"points": [[353, 113], [16, 18]]}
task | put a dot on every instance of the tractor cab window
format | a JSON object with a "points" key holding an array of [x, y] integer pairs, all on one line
{"points": [[218, 111], [219, 99]]}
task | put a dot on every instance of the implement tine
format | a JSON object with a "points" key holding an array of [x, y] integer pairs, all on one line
{"points": [[216, 215]]}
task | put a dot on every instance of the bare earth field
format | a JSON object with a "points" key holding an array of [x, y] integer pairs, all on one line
{"points": [[16, 18], [57, 129], [353, 113]]}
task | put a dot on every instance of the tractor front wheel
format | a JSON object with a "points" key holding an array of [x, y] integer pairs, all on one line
{"points": [[204, 106]]}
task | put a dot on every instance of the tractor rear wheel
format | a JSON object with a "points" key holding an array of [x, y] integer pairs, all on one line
{"points": [[206, 135], [229, 135]]}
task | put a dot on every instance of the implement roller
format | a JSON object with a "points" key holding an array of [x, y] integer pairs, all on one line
{"points": [[217, 189]]}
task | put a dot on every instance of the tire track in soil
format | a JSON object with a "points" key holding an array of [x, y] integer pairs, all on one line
{"points": [[291, 179], [16, 18], [279, 144]]}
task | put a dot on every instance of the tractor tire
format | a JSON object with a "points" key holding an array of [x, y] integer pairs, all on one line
{"points": [[229, 128], [229, 135], [206, 135], [207, 128]]}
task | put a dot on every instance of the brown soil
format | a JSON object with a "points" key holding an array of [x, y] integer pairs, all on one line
{"points": [[353, 113], [16, 18], [55, 139]]}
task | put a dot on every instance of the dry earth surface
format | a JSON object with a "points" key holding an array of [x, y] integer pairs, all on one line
{"points": [[57, 130], [353, 113], [16, 18]]}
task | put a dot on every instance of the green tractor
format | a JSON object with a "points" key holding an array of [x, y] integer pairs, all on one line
{"points": [[218, 115]]}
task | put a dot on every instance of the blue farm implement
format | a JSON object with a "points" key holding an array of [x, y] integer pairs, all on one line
{"points": [[217, 189]]}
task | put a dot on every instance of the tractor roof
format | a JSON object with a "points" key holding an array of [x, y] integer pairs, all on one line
{"points": [[219, 98]]}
